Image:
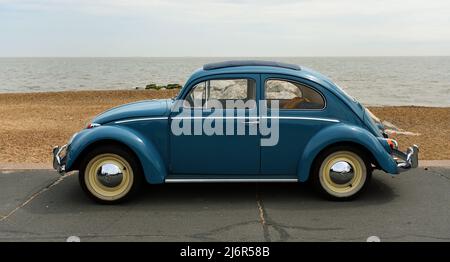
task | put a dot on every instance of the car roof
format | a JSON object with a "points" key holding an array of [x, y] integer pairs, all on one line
{"points": [[238, 63], [255, 67]]}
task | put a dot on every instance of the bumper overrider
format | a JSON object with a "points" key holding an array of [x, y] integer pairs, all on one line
{"points": [[59, 159], [408, 160]]}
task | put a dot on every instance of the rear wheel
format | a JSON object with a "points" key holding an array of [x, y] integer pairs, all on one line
{"points": [[110, 174], [341, 173]]}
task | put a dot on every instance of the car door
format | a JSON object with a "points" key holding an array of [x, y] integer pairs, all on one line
{"points": [[227, 152], [301, 113]]}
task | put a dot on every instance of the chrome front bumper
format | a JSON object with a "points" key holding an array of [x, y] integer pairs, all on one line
{"points": [[408, 160], [59, 159]]}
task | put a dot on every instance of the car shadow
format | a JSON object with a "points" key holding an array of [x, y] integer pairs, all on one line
{"points": [[378, 192], [68, 196]]}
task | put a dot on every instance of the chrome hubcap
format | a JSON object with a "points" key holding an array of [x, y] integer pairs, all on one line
{"points": [[110, 175], [341, 173]]}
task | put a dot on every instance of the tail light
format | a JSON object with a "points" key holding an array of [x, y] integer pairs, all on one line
{"points": [[92, 125], [392, 143]]}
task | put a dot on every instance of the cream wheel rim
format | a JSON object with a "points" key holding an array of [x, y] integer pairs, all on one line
{"points": [[342, 173], [108, 176]]}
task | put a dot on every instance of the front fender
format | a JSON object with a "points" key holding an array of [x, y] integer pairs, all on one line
{"points": [[344, 133], [150, 159]]}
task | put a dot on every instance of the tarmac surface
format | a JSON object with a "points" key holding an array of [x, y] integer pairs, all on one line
{"points": [[38, 205]]}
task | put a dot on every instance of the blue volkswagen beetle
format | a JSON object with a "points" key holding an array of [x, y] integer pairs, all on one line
{"points": [[236, 121]]}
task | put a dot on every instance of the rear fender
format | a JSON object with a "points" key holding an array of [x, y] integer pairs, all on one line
{"points": [[342, 133]]}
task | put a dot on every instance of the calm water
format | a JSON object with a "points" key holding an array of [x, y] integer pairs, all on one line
{"points": [[372, 80]]}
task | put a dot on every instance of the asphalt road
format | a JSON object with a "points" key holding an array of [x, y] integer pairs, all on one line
{"points": [[37, 205]]}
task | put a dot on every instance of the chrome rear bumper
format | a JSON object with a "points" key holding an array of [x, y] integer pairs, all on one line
{"points": [[59, 159], [408, 160]]}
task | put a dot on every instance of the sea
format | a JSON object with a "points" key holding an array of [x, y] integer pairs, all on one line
{"points": [[374, 81]]}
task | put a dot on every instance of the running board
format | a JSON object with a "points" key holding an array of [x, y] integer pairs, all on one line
{"points": [[231, 180]]}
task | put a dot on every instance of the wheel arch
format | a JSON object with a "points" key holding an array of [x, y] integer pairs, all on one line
{"points": [[150, 160], [370, 157], [99, 143], [348, 135]]}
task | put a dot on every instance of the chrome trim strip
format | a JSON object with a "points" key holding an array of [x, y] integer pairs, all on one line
{"points": [[214, 117], [265, 117], [304, 118], [231, 180], [140, 119], [229, 117]]}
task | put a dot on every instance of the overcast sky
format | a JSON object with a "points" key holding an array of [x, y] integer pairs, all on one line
{"points": [[224, 27]]}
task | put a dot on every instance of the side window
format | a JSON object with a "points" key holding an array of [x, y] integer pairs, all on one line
{"points": [[231, 89], [292, 95], [221, 90]]}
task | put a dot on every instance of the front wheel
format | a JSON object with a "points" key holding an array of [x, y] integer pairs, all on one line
{"points": [[110, 174], [341, 173]]}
